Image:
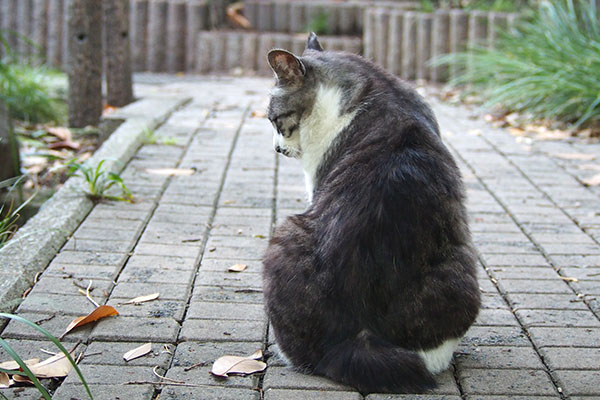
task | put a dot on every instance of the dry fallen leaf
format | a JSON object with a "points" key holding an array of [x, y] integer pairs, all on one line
{"points": [[593, 181], [238, 365], [171, 171], [138, 352], [569, 279], [575, 156], [143, 299], [60, 132], [64, 144], [237, 268], [258, 114], [10, 365], [100, 312], [4, 380], [57, 366], [22, 379]]}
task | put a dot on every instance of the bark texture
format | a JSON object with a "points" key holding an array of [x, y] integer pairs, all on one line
{"points": [[119, 89]]}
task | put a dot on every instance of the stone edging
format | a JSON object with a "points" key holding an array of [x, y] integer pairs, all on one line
{"points": [[37, 242]]}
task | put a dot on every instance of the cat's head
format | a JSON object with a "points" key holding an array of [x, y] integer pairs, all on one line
{"points": [[292, 97]]}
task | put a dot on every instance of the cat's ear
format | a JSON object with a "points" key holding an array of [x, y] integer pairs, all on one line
{"points": [[287, 67], [313, 42]]}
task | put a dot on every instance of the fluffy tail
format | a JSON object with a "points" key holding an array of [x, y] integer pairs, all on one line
{"points": [[372, 365]]}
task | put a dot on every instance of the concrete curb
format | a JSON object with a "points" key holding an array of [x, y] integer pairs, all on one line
{"points": [[36, 243]]}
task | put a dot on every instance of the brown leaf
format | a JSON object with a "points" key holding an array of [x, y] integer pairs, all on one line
{"points": [[258, 114], [22, 379], [57, 366], [235, 17], [4, 380], [10, 365], [143, 299], [64, 144], [98, 313], [238, 365], [575, 156], [60, 132], [237, 268], [138, 352], [569, 279], [592, 181], [170, 171]]}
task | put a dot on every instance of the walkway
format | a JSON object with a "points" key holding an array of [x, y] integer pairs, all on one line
{"points": [[536, 226]]}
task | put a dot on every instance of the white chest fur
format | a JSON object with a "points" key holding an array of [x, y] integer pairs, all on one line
{"points": [[318, 130]]}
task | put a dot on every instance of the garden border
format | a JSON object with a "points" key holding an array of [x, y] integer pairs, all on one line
{"points": [[35, 244]]}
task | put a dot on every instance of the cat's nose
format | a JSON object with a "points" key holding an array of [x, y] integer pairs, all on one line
{"points": [[278, 149]]}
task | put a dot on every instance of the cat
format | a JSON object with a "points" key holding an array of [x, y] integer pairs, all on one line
{"points": [[373, 285]]}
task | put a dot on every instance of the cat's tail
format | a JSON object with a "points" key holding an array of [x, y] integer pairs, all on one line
{"points": [[371, 365]]}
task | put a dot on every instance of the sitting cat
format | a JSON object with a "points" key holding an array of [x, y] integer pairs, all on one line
{"points": [[375, 283]]}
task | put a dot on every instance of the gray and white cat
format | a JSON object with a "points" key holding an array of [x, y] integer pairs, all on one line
{"points": [[375, 283]]}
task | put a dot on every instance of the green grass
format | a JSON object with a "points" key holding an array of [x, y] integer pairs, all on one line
{"points": [[9, 216], [99, 181], [318, 24], [150, 137], [548, 66], [25, 369]]}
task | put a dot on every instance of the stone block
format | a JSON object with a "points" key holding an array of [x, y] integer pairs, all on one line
{"points": [[497, 357], [222, 331], [506, 382], [111, 353], [226, 311], [191, 353], [136, 329]]}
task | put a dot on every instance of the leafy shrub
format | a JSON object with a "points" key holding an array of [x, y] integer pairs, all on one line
{"points": [[548, 66]]}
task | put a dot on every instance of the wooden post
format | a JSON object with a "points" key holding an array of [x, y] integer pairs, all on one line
{"points": [[40, 26], [84, 23], [439, 43], [197, 20], [9, 14], [24, 17], [138, 30], [458, 36], [395, 43], [55, 32], [119, 89], [409, 42], [203, 56], [157, 35], [423, 45], [176, 36], [249, 46], [9, 151]]}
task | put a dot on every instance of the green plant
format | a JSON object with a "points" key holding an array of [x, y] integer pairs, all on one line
{"points": [[99, 181], [10, 216], [26, 371], [548, 66], [150, 137], [318, 24]]}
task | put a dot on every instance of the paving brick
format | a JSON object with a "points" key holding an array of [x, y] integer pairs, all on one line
{"points": [[208, 393], [168, 291], [161, 262], [581, 261], [111, 374], [558, 318], [191, 353], [104, 245], [285, 378], [579, 382], [77, 271], [290, 394], [495, 336], [411, 397], [231, 252], [522, 260], [89, 233], [227, 294], [55, 324], [28, 349], [136, 329], [109, 224], [571, 357], [496, 317], [156, 275], [588, 287], [497, 357], [222, 330], [225, 311], [492, 300], [150, 309], [585, 274], [111, 353], [565, 337], [202, 376], [155, 249], [56, 304], [533, 286], [104, 392], [511, 397], [90, 258], [222, 265], [238, 280], [506, 382], [69, 286], [523, 273], [545, 301]]}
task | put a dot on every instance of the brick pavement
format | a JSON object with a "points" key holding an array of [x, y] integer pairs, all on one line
{"points": [[537, 229]]}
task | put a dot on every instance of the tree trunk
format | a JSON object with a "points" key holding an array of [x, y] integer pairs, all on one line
{"points": [[117, 54], [9, 151], [84, 30]]}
